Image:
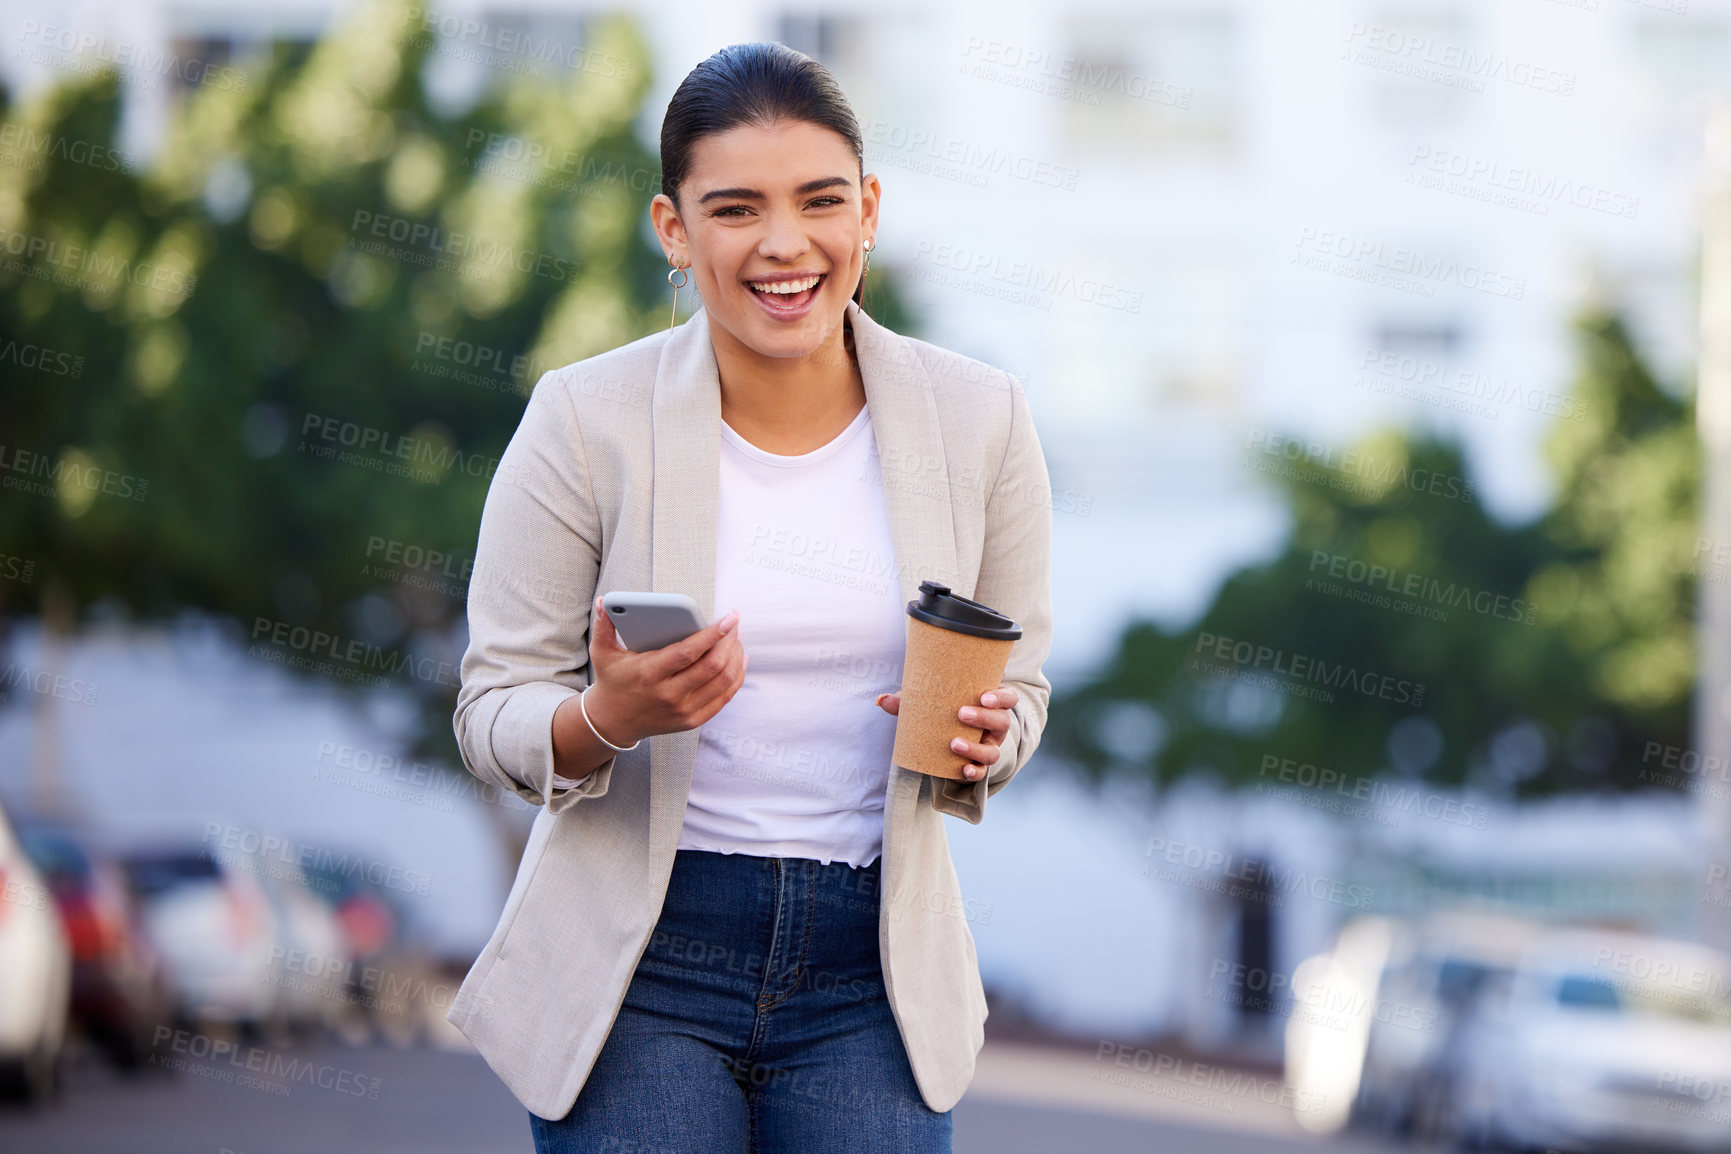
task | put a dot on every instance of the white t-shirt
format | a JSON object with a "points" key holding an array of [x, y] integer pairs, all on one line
{"points": [[796, 765]]}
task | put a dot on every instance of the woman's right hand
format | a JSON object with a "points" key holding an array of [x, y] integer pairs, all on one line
{"points": [[667, 690]]}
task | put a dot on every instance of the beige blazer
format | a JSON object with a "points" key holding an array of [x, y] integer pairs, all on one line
{"points": [[609, 483]]}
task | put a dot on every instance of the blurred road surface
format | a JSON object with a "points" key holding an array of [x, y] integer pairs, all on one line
{"points": [[431, 1101]]}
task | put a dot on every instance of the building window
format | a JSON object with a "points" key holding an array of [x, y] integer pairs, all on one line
{"points": [[1435, 340], [1155, 82], [813, 35], [1419, 66], [194, 61], [474, 52], [884, 68], [1679, 59]]}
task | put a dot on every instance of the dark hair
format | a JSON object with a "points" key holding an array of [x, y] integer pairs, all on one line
{"points": [[753, 84]]}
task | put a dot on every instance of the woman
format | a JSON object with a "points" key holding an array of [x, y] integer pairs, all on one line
{"points": [[746, 933]]}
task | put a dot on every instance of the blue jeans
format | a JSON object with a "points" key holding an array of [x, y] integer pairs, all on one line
{"points": [[756, 1023]]}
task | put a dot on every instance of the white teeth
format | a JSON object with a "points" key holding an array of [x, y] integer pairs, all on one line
{"points": [[787, 287]]}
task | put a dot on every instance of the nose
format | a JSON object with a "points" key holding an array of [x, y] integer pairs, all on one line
{"points": [[784, 237]]}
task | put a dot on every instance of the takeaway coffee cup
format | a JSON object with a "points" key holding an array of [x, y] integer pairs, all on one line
{"points": [[957, 649]]}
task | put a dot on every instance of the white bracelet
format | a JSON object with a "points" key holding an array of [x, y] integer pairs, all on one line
{"points": [[581, 704]]}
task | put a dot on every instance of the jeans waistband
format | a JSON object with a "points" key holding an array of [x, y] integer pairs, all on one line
{"points": [[764, 927]]}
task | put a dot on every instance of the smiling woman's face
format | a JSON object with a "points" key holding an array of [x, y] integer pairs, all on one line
{"points": [[773, 220]]}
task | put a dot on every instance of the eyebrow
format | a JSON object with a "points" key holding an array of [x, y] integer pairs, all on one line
{"points": [[757, 194]]}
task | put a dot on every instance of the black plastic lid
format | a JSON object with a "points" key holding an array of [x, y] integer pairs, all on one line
{"points": [[938, 606]]}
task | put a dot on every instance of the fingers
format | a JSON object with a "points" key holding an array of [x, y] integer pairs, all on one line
{"points": [[677, 659], [685, 683], [602, 634], [710, 672], [720, 689], [981, 755], [728, 657], [994, 721], [993, 716]]}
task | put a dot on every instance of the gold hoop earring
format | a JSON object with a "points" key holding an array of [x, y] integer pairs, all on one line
{"points": [[676, 285]]}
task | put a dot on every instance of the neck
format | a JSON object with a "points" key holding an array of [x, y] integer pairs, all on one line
{"points": [[789, 404]]}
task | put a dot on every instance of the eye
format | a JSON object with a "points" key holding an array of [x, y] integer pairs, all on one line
{"points": [[732, 210], [826, 201]]}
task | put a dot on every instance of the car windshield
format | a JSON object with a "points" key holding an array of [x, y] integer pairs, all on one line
{"points": [[1588, 994], [1459, 981], [332, 884], [153, 874], [1578, 991], [55, 855]]}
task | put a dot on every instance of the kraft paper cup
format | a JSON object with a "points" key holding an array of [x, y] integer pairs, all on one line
{"points": [[957, 649]]}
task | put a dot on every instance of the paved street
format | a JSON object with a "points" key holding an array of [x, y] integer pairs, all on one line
{"points": [[378, 1100]]}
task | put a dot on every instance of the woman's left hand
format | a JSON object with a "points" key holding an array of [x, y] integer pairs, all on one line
{"points": [[991, 715]]}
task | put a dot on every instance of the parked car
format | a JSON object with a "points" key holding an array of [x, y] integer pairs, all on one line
{"points": [[365, 911], [374, 981], [35, 976], [1373, 1028], [1602, 1041], [310, 958], [119, 984], [214, 927], [1427, 991]]}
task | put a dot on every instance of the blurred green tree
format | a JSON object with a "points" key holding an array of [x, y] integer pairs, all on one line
{"points": [[274, 368], [307, 329], [1404, 632]]}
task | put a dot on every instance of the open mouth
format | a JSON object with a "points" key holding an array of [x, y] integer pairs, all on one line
{"points": [[787, 296]]}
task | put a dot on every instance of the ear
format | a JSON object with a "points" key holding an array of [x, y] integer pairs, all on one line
{"points": [[870, 194], [664, 215]]}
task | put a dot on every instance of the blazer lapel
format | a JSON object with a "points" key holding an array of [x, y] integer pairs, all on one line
{"points": [[904, 418], [685, 440], [685, 418]]}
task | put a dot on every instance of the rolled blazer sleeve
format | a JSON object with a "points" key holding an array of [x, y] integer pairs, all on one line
{"points": [[537, 561], [1016, 580]]}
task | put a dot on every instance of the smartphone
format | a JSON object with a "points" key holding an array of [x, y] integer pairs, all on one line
{"points": [[646, 621]]}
